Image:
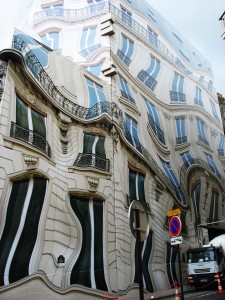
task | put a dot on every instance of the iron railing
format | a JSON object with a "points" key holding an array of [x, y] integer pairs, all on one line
{"points": [[148, 80], [220, 152], [143, 33], [202, 139], [30, 137], [178, 97], [123, 57], [92, 160], [128, 97], [85, 52], [181, 140], [157, 130]]}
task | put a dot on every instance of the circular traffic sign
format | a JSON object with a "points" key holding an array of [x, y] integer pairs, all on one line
{"points": [[175, 226]]}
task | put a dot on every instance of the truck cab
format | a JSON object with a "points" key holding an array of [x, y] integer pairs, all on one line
{"points": [[205, 265]]}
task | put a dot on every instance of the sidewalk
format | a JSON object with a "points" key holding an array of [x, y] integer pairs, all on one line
{"points": [[168, 293]]}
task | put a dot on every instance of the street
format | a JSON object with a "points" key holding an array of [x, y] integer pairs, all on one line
{"points": [[199, 294]]}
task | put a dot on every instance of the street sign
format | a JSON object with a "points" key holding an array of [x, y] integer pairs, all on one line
{"points": [[176, 240], [144, 219], [175, 226], [174, 212]]}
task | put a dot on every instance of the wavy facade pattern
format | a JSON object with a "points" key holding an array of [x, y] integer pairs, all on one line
{"points": [[101, 104]]}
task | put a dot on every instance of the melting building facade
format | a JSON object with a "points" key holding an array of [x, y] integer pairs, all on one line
{"points": [[103, 103]]}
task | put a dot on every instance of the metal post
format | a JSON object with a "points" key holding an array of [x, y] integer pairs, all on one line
{"points": [[140, 279], [181, 281]]}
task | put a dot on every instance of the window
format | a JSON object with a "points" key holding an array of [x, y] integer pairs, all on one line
{"points": [[21, 228], [212, 164], [125, 89], [195, 196], [154, 121], [89, 267], [181, 132], [221, 145], [213, 213], [54, 10], [51, 39], [153, 37], [148, 77], [169, 172], [198, 97], [210, 86], [171, 255], [177, 93], [126, 51], [215, 114], [95, 70], [201, 132], [93, 153], [96, 93], [132, 133], [30, 126], [87, 42], [187, 159], [136, 186], [126, 16]]}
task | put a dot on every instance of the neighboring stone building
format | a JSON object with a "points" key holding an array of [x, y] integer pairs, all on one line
{"points": [[123, 109]]}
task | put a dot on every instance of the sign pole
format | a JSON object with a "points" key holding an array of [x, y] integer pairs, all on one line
{"points": [[181, 281], [140, 279]]}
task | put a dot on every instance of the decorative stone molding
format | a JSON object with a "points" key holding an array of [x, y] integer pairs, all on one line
{"points": [[93, 183], [109, 69], [31, 162], [166, 115], [106, 26], [64, 124], [3, 68], [213, 132]]}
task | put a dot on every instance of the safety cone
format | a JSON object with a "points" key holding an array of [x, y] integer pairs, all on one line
{"points": [[177, 295], [115, 297], [220, 289], [105, 297]]}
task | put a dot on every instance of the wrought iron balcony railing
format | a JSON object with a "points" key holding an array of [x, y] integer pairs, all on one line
{"points": [[85, 52], [198, 102], [157, 130], [178, 97], [181, 140], [30, 137], [92, 160], [143, 32], [128, 97], [148, 80], [220, 152], [202, 139], [123, 57]]}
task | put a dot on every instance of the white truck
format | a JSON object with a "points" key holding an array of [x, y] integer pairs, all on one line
{"points": [[207, 263]]}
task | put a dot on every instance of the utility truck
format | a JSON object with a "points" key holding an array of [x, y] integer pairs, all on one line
{"points": [[207, 263]]}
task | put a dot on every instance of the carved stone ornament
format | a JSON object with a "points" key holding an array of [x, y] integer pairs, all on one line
{"points": [[166, 115], [31, 162], [64, 125], [93, 183], [214, 132], [3, 68]]}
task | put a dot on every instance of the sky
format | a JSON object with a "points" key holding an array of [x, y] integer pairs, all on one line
{"points": [[197, 20]]}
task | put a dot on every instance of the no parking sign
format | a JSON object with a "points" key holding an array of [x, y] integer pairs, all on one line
{"points": [[175, 226]]}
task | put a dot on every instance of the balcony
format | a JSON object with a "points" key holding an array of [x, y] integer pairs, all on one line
{"points": [[128, 97], [158, 131], [181, 140], [29, 137], [148, 80], [202, 139], [177, 97], [124, 58], [220, 152], [85, 160]]}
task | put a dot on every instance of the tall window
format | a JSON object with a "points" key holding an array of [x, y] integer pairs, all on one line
{"points": [[30, 126], [169, 172], [177, 93], [87, 42], [132, 133], [126, 16], [89, 267], [148, 77], [201, 132], [51, 39], [21, 228], [93, 153], [213, 213], [210, 86], [125, 89], [95, 70], [187, 159], [221, 145], [214, 111], [195, 196], [126, 51], [96, 93], [153, 37], [212, 164], [154, 121], [181, 132], [198, 97], [136, 186]]}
